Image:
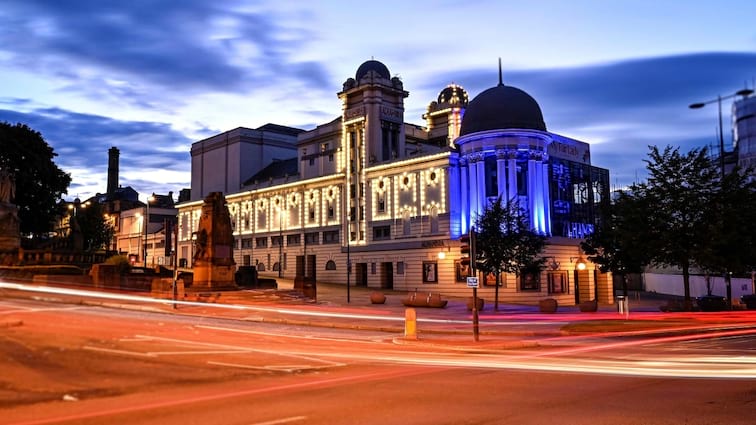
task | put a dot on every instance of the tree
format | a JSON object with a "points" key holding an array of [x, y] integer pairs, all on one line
{"points": [[95, 230], [618, 243], [505, 243], [25, 154], [676, 200], [732, 226]]}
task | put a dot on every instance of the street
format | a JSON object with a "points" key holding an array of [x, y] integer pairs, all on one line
{"points": [[66, 363]]}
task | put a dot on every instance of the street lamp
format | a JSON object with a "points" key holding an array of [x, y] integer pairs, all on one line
{"points": [[744, 93], [719, 99], [146, 221]]}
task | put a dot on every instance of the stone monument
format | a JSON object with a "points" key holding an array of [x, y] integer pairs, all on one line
{"points": [[213, 264], [10, 233]]}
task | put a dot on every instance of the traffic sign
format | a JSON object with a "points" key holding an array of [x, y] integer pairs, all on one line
{"points": [[472, 281]]}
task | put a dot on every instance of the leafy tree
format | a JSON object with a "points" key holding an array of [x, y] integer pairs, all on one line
{"points": [[731, 247], [677, 198], [95, 230], [25, 154], [618, 244], [505, 243]]}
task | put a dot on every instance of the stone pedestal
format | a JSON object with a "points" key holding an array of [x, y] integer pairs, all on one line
{"points": [[10, 233], [213, 264]]}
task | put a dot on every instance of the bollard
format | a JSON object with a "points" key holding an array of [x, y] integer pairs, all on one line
{"points": [[623, 306], [410, 323]]}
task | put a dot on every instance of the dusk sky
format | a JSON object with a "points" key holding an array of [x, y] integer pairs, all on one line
{"points": [[152, 77]]}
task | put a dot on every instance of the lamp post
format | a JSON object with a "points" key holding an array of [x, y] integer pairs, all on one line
{"points": [[719, 99], [280, 242], [744, 93], [146, 222]]}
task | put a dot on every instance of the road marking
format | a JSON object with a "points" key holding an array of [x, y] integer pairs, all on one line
{"points": [[20, 309], [113, 351], [282, 421], [281, 335], [239, 349], [276, 368]]}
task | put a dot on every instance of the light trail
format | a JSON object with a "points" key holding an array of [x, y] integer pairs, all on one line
{"points": [[303, 311]]}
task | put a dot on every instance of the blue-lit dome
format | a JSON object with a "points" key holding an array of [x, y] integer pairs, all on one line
{"points": [[502, 107]]}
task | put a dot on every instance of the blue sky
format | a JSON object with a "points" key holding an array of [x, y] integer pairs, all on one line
{"points": [[151, 77]]}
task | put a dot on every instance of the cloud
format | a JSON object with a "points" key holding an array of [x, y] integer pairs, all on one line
{"points": [[126, 51], [82, 142], [623, 107]]}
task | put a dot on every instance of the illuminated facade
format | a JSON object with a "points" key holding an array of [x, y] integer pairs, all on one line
{"points": [[392, 198]]}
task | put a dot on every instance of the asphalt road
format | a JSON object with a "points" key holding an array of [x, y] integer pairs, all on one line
{"points": [[75, 364]]}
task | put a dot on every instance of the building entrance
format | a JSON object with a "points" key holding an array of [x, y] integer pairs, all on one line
{"points": [[361, 275]]}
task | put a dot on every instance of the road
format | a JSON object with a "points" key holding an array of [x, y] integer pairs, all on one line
{"points": [[66, 364]]}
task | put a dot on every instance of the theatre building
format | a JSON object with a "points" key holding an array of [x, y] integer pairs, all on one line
{"points": [[391, 198]]}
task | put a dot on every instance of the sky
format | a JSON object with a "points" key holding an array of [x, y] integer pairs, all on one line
{"points": [[153, 76]]}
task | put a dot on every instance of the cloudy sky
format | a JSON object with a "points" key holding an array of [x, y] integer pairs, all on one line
{"points": [[152, 76]]}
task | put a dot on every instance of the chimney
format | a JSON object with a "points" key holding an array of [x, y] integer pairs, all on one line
{"points": [[113, 154]]}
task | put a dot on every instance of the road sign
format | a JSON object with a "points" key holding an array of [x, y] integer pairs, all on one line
{"points": [[472, 282]]}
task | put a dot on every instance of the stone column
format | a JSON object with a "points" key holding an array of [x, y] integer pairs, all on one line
{"points": [[501, 170], [512, 174]]}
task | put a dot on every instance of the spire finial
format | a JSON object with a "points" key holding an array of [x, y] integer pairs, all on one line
{"points": [[501, 82]]}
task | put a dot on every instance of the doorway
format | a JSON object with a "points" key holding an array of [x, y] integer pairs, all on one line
{"points": [[387, 275], [362, 275]]}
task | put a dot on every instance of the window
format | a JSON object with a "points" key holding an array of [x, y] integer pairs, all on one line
{"points": [[276, 240], [430, 272], [381, 205], [557, 282], [530, 280], [311, 214], [434, 220], [293, 239], [246, 243], [381, 233], [400, 267], [312, 238], [331, 237], [312, 162], [261, 242], [330, 210], [330, 265]]}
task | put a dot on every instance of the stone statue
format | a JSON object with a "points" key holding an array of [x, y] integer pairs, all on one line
{"points": [[7, 187]]}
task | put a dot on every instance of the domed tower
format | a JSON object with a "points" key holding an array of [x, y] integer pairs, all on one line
{"points": [[372, 132], [444, 116], [503, 152]]}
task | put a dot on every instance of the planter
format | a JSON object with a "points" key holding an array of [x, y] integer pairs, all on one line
{"points": [[749, 301], [481, 303], [377, 297], [548, 305], [712, 303], [589, 306]]}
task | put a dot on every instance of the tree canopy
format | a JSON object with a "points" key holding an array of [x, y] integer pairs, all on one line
{"points": [[96, 232], [687, 214], [39, 182], [505, 243]]}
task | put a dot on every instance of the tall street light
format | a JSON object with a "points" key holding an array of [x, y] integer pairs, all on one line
{"points": [[719, 99], [744, 93], [146, 223]]}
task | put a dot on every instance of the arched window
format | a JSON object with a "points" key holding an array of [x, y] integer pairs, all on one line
{"points": [[330, 265]]}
